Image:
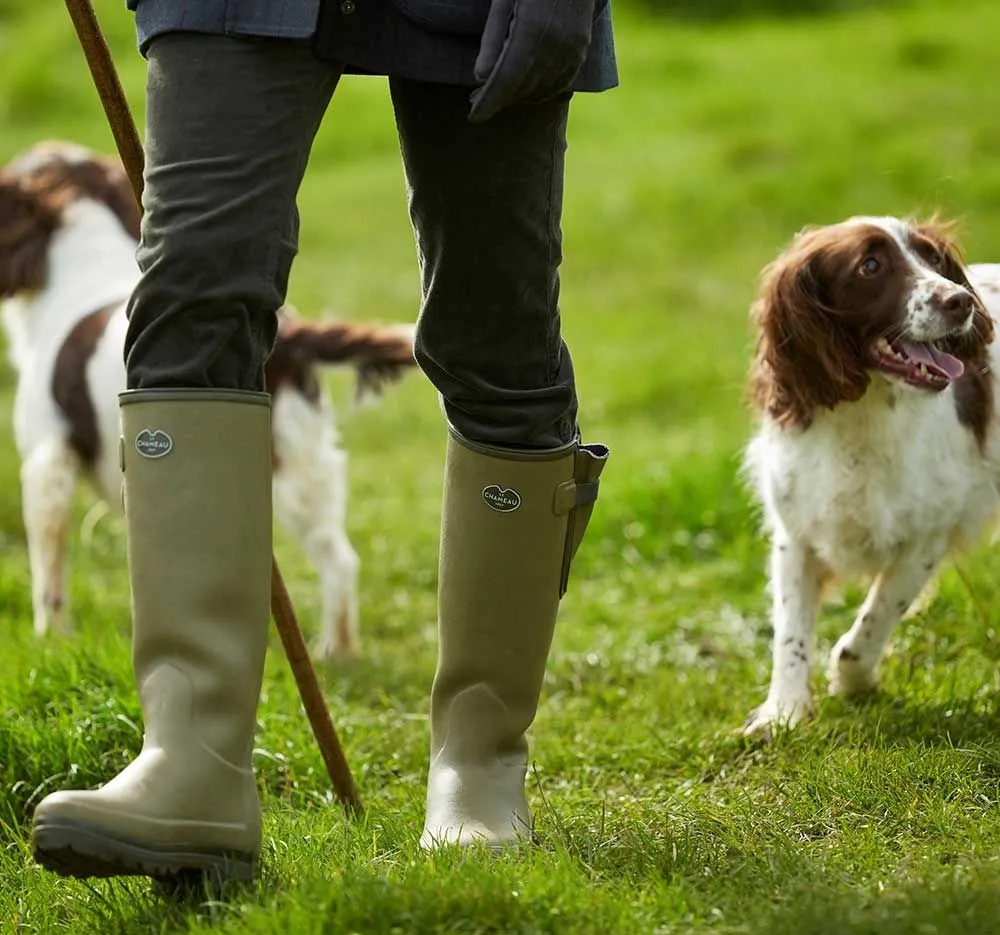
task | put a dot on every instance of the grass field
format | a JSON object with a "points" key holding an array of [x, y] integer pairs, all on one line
{"points": [[653, 815]]}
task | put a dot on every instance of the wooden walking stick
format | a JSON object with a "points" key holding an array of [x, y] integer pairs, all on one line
{"points": [[116, 108]]}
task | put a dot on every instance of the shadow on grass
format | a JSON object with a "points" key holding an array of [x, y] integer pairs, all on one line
{"points": [[897, 721], [737, 872], [946, 902], [128, 906]]}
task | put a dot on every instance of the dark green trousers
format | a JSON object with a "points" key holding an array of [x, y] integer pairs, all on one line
{"points": [[230, 124]]}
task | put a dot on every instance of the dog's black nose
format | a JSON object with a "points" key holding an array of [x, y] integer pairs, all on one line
{"points": [[957, 306]]}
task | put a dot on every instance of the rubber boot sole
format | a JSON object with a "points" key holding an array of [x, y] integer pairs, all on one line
{"points": [[74, 850]]}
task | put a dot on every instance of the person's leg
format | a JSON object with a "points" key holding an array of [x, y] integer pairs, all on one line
{"points": [[486, 204], [230, 125]]}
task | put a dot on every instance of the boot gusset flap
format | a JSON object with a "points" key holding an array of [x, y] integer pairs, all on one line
{"points": [[587, 467]]}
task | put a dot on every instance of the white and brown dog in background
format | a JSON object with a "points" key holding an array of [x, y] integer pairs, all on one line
{"points": [[69, 227], [878, 449]]}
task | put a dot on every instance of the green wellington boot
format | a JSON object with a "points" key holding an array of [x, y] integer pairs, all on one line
{"points": [[511, 524], [197, 491]]}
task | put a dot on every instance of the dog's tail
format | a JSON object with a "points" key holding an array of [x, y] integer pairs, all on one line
{"points": [[380, 354]]}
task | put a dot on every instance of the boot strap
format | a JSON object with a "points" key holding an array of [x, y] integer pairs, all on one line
{"points": [[573, 494]]}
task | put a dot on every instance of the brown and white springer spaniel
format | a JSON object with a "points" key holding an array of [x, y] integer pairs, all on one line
{"points": [[69, 226], [878, 448]]}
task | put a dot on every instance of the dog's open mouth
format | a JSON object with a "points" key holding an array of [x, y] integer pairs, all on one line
{"points": [[919, 363]]}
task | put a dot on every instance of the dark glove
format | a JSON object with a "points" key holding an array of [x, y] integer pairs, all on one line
{"points": [[531, 50]]}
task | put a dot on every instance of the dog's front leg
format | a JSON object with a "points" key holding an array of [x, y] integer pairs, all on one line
{"points": [[856, 655], [48, 483], [796, 583]]}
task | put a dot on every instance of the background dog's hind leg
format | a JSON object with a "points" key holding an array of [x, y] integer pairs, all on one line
{"points": [[338, 566], [310, 499]]}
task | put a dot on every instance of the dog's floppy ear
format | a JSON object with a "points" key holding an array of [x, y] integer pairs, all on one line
{"points": [[119, 197], [28, 220], [100, 178], [805, 358]]}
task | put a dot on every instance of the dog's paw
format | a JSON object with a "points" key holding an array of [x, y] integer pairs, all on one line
{"points": [[53, 621], [776, 714], [847, 673], [334, 650]]}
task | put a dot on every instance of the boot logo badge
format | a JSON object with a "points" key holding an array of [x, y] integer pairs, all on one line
{"points": [[503, 500], [153, 444]]}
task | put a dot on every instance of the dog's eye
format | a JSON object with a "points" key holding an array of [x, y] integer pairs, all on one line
{"points": [[869, 266], [935, 259]]}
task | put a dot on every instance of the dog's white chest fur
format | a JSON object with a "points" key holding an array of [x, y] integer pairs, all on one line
{"points": [[867, 479]]}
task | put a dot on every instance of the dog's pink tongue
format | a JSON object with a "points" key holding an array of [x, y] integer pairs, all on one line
{"points": [[944, 364]]}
